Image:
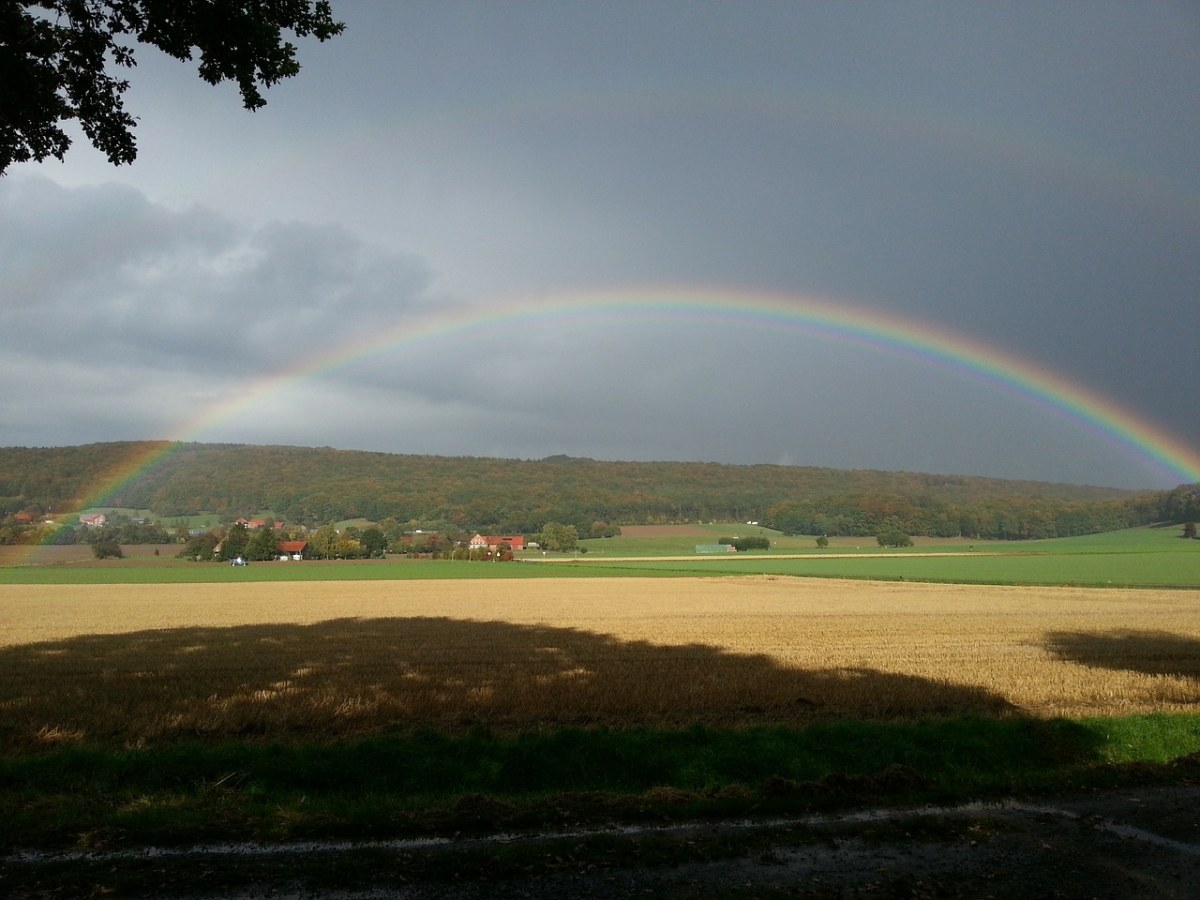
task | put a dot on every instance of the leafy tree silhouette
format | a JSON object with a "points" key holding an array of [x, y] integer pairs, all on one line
{"points": [[54, 61]]}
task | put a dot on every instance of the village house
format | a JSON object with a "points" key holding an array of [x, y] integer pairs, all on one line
{"points": [[492, 542], [253, 524], [96, 521]]}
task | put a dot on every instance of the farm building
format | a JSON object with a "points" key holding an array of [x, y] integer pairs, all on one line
{"points": [[291, 549], [492, 542], [253, 524]]}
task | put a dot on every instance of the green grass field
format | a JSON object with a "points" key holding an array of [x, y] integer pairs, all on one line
{"points": [[170, 523], [171, 571], [1138, 557], [1132, 540], [633, 543], [1181, 570]]}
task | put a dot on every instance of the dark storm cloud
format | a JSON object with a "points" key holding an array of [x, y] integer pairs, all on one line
{"points": [[105, 274], [122, 314], [1022, 175]]}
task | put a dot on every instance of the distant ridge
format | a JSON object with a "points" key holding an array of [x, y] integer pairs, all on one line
{"points": [[313, 485]]}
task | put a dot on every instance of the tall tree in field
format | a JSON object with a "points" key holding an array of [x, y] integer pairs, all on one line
{"points": [[324, 541], [234, 544], [373, 541], [54, 57], [201, 547], [558, 537], [261, 545], [892, 536]]}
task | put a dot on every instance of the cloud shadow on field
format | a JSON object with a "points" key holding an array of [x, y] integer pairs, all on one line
{"points": [[349, 677], [1148, 652]]}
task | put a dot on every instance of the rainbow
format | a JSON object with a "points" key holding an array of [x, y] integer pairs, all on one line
{"points": [[960, 355]]}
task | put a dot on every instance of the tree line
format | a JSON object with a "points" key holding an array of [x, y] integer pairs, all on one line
{"points": [[317, 486], [997, 518]]}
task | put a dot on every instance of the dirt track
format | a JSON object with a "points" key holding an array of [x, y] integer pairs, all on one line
{"points": [[1135, 842]]}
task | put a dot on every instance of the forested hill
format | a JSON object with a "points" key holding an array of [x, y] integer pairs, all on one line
{"points": [[318, 485]]}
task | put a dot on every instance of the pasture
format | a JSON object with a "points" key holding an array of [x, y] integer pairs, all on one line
{"points": [[1137, 557], [142, 664], [1140, 557], [1172, 569]]}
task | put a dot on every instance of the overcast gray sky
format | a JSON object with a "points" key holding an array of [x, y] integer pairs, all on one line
{"points": [[1023, 176]]}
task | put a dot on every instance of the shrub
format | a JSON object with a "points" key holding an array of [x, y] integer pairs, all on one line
{"points": [[893, 537], [107, 548]]}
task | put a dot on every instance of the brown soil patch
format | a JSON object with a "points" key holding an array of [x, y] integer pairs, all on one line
{"points": [[77, 555]]}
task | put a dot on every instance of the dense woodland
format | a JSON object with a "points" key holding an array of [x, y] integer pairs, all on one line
{"points": [[316, 486]]}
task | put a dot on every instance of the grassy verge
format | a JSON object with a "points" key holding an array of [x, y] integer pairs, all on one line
{"points": [[435, 783]]}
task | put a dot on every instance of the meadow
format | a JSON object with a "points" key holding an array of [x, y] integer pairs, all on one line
{"points": [[1168, 569], [1140, 557], [680, 540]]}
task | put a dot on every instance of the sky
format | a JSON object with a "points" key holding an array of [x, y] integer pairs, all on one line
{"points": [[950, 238]]}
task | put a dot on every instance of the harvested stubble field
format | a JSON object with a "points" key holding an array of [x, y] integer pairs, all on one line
{"points": [[134, 665]]}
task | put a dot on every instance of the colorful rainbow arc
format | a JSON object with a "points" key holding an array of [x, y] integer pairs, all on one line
{"points": [[739, 308]]}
